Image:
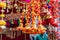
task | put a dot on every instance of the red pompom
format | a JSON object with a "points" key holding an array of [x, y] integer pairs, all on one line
{"points": [[54, 24]]}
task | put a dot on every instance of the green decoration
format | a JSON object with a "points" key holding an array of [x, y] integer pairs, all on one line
{"points": [[48, 0]]}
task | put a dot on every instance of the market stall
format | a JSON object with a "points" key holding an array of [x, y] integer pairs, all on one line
{"points": [[28, 19]]}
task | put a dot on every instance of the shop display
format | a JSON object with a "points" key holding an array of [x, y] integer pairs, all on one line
{"points": [[30, 17]]}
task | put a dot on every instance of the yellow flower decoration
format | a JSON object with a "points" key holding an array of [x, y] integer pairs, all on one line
{"points": [[2, 4]]}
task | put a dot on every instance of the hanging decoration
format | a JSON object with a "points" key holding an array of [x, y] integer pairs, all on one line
{"points": [[2, 22], [23, 15], [32, 29]]}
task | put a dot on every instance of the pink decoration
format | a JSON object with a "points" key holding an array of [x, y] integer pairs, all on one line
{"points": [[2, 0], [27, 0]]}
